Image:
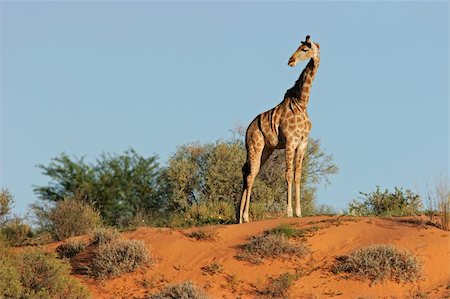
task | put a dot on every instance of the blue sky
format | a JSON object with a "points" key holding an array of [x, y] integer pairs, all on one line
{"points": [[92, 77]]}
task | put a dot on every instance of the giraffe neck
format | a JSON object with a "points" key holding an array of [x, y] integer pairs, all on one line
{"points": [[299, 93]]}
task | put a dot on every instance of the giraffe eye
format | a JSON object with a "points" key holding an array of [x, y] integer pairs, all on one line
{"points": [[305, 50]]}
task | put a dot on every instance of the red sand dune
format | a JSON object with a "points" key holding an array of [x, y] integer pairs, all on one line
{"points": [[180, 258]]}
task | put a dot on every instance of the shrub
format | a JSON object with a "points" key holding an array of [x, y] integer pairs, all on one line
{"points": [[397, 203], [44, 276], [68, 218], [438, 202], [103, 235], [70, 249], [379, 262], [185, 290], [213, 268], [6, 202], [10, 286], [269, 246], [203, 234], [16, 232], [115, 258], [278, 287], [285, 229]]}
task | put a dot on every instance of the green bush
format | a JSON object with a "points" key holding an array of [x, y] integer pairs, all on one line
{"points": [[10, 285], [70, 249], [185, 290], [203, 183], [68, 218], [16, 232], [284, 229], [379, 262], [121, 186], [34, 274], [377, 203], [118, 257]]}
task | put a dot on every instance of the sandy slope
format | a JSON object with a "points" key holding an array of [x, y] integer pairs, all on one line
{"points": [[180, 258]]}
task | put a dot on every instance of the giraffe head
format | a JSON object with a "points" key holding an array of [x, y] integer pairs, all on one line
{"points": [[307, 49]]}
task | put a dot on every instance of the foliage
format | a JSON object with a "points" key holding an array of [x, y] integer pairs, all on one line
{"points": [[33, 273], [16, 232], [213, 268], [203, 234], [185, 290], [69, 217], [70, 249], [269, 246], [10, 285], [284, 229], [118, 257], [104, 235], [119, 186], [379, 262], [278, 287], [397, 203], [6, 202], [203, 183], [438, 204]]}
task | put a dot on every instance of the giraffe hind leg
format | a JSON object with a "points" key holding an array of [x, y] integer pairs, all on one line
{"points": [[245, 173], [250, 170]]}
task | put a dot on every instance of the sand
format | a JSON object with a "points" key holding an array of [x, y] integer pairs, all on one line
{"points": [[179, 258]]}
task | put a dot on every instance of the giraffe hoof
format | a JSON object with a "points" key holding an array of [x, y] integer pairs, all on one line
{"points": [[289, 213]]}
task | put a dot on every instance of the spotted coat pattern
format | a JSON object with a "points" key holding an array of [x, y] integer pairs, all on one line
{"points": [[286, 126]]}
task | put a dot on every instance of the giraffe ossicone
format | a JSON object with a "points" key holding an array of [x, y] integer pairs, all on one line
{"points": [[286, 127]]}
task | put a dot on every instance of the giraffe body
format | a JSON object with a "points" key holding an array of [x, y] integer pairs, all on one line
{"points": [[285, 126]]}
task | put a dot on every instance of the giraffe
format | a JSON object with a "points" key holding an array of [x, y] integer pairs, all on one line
{"points": [[286, 127]]}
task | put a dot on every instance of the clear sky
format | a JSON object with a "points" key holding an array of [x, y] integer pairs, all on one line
{"points": [[92, 77]]}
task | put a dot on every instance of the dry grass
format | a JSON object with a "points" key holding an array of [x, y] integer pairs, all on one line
{"points": [[101, 236], [277, 287], [118, 257], [213, 268], [203, 234], [438, 204], [185, 290], [379, 262], [269, 246]]}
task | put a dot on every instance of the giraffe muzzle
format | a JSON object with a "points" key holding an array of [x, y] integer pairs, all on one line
{"points": [[291, 62]]}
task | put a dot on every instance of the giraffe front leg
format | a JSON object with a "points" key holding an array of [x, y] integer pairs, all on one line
{"points": [[289, 174], [299, 154]]}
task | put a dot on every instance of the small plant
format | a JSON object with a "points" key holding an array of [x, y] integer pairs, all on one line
{"points": [[379, 262], [438, 203], [213, 268], [6, 202], [185, 290], [119, 257], [70, 249], [16, 232], [377, 203], [233, 282], [269, 246], [36, 274], [278, 287], [203, 234], [285, 229], [68, 218], [101, 235]]}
